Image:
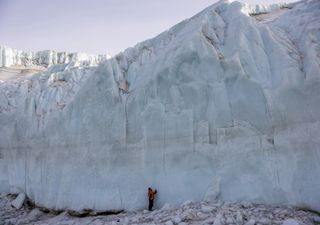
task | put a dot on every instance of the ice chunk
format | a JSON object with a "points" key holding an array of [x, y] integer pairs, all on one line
{"points": [[250, 222], [290, 222], [18, 202]]}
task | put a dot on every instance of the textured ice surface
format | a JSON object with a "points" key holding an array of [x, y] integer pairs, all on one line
{"points": [[187, 214], [16, 64], [221, 106], [13, 57]]}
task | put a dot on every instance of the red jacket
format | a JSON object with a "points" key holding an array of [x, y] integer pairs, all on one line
{"points": [[151, 194]]}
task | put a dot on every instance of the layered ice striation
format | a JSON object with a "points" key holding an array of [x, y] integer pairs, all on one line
{"points": [[222, 106]]}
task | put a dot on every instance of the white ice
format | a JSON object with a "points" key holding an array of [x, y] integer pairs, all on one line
{"points": [[222, 106], [187, 214]]}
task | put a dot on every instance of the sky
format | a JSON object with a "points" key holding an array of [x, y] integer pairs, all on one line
{"points": [[92, 26]]}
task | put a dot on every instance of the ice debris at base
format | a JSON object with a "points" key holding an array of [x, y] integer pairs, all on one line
{"points": [[18, 202], [290, 222], [220, 214], [222, 106]]}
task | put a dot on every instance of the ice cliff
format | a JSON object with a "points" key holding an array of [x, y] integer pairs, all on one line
{"points": [[16, 64], [13, 57], [222, 106]]}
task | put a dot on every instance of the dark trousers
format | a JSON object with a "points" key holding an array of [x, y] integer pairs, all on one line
{"points": [[150, 205]]}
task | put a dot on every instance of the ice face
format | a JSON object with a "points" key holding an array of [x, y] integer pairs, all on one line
{"points": [[12, 57], [17, 64], [222, 106]]}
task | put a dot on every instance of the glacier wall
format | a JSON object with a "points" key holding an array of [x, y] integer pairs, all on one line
{"points": [[219, 107], [13, 57]]}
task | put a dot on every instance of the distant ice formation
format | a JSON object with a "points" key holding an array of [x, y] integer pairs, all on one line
{"points": [[18, 64], [13, 57]]}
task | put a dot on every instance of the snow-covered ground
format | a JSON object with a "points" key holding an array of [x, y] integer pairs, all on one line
{"points": [[223, 106], [203, 213]]}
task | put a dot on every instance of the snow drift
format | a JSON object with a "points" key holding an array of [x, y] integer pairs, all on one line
{"points": [[222, 106]]}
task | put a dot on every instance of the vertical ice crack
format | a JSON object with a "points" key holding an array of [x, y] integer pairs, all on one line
{"points": [[164, 148], [25, 171], [126, 121]]}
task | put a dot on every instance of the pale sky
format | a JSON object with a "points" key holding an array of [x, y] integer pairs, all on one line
{"points": [[92, 26]]}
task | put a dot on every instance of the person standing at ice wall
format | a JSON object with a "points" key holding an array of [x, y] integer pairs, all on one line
{"points": [[151, 195]]}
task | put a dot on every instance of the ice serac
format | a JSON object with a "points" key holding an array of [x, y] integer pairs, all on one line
{"points": [[222, 106]]}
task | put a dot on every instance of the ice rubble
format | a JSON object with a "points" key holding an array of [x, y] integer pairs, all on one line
{"points": [[220, 106], [189, 213]]}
